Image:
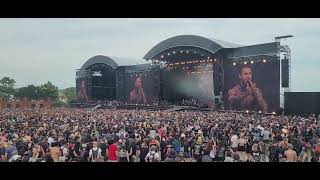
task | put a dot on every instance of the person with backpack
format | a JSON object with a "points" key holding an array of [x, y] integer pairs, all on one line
{"points": [[123, 154], [84, 156], [255, 153], [95, 152], [153, 155]]}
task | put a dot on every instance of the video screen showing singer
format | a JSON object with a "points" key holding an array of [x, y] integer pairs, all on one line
{"points": [[245, 95], [137, 95], [82, 94]]}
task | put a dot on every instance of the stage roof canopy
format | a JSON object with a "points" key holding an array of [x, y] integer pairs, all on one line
{"points": [[111, 61], [212, 45]]}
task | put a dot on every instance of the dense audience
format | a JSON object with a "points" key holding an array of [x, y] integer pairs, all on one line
{"points": [[109, 135]]}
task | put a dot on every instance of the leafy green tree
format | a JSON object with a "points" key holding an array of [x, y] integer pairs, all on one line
{"points": [[7, 87], [70, 94], [30, 92], [49, 90]]}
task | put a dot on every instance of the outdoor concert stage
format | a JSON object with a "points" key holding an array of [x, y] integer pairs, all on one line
{"points": [[190, 68]]}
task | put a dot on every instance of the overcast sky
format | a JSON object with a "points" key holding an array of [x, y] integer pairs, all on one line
{"points": [[34, 51]]}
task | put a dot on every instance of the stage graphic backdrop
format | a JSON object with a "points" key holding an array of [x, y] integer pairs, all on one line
{"points": [[194, 83]]}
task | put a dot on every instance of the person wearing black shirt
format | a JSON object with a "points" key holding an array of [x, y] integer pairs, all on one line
{"points": [[143, 152], [103, 146], [2, 153], [75, 152], [86, 154], [163, 146], [274, 152]]}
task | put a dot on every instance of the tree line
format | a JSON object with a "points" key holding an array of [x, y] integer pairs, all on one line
{"points": [[32, 92]]}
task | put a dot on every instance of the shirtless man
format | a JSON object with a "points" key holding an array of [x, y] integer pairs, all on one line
{"points": [[291, 154]]}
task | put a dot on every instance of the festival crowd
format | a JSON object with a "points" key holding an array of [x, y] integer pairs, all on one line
{"points": [[110, 135]]}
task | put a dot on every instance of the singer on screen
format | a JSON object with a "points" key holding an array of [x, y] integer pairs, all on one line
{"points": [[137, 95], [245, 95], [82, 94]]}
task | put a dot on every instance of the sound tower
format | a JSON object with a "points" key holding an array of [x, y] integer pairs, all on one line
{"points": [[285, 73], [217, 77]]}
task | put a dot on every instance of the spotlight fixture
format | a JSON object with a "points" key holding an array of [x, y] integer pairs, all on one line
{"points": [[234, 63], [181, 51], [215, 60], [251, 62], [162, 56], [264, 61], [247, 111], [274, 113], [174, 52], [168, 54], [245, 62], [187, 51]]}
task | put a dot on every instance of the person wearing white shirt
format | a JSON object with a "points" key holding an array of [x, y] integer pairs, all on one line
{"points": [[234, 142], [95, 152], [50, 141]]}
